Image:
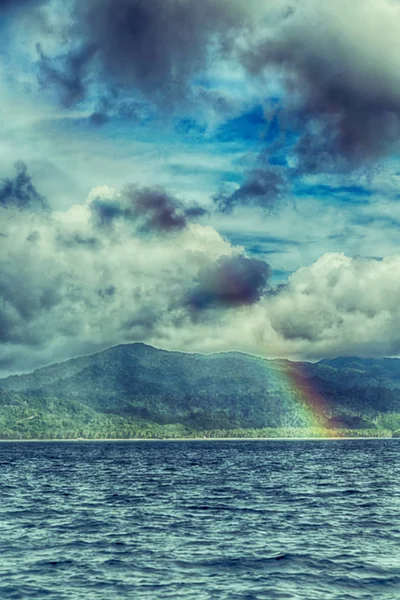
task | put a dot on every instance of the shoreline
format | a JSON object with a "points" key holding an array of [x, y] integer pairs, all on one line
{"points": [[239, 439]]}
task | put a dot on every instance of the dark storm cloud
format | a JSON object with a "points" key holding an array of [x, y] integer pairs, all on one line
{"points": [[339, 135], [154, 47], [20, 192], [339, 108], [342, 98], [231, 282], [151, 209], [343, 95]]}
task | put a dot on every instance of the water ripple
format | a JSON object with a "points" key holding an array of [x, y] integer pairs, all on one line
{"points": [[200, 520]]}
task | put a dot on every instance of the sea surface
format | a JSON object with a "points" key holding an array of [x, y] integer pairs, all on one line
{"points": [[237, 520]]}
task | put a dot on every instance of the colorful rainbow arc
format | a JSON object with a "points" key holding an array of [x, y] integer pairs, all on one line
{"points": [[301, 392]]}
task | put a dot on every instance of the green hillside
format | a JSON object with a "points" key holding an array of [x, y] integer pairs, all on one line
{"points": [[135, 390]]}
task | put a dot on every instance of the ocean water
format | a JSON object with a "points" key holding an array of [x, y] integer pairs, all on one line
{"points": [[237, 520]]}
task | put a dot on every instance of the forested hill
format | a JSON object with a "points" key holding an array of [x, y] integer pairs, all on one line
{"points": [[136, 385]]}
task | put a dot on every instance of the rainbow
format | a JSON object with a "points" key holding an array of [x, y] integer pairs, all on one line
{"points": [[301, 394]]}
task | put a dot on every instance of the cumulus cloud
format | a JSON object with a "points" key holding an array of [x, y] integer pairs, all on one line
{"points": [[340, 306], [71, 284], [79, 280]]}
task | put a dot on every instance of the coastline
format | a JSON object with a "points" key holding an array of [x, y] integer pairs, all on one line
{"points": [[232, 439]]}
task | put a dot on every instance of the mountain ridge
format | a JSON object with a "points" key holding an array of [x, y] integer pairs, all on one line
{"points": [[137, 383]]}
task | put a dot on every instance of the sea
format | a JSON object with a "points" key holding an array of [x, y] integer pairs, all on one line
{"points": [[200, 520]]}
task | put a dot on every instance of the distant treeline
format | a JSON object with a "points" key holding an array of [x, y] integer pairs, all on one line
{"points": [[39, 426], [53, 418]]}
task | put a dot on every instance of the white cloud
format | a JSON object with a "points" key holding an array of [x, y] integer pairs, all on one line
{"points": [[71, 286], [66, 285], [340, 306]]}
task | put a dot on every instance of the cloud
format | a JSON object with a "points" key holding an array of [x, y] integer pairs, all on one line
{"points": [[262, 186], [334, 67], [66, 74], [152, 47], [341, 65], [71, 284], [20, 192], [79, 280], [338, 109], [340, 306], [151, 209], [231, 282]]}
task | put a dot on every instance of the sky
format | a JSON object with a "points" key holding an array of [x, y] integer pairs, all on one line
{"points": [[201, 176]]}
